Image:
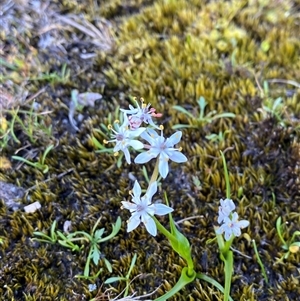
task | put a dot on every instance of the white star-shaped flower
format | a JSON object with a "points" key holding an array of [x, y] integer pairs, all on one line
{"points": [[124, 137], [164, 148], [142, 209], [141, 114], [227, 206], [232, 226]]}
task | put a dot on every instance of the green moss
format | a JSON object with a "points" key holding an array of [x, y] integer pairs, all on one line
{"points": [[171, 53]]}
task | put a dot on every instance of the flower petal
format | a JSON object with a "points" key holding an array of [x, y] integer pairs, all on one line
{"points": [[161, 209], [135, 144], [243, 224], [227, 235], [150, 121], [119, 146], [222, 215], [177, 156], [163, 166], [129, 206], [125, 122], [127, 155], [236, 230], [150, 226], [220, 230], [136, 133], [234, 217], [136, 190], [147, 137], [131, 111], [174, 139], [151, 191], [150, 210], [154, 152], [133, 223], [143, 157], [228, 203], [153, 134]]}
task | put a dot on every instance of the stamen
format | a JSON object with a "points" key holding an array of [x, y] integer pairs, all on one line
{"points": [[109, 126]]}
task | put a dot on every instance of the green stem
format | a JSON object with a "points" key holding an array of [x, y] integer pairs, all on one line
{"points": [[87, 237], [155, 172], [179, 244], [212, 281], [260, 262], [224, 246], [279, 229], [226, 176], [86, 271], [181, 283], [228, 268], [164, 231], [227, 245]]}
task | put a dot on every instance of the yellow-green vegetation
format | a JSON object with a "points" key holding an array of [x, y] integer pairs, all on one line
{"points": [[241, 57], [290, 245], [41, 165]]}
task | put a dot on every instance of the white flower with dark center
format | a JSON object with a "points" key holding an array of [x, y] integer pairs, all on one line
{"points": [[227, 206], [164, 148], [232, 226], [142, 209], [141, 114], [124, 137]]}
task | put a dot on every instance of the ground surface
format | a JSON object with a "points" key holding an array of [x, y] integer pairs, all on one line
{"points": [[241, 56]]}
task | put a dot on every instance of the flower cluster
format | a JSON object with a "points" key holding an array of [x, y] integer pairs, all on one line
{"points": [[141, 114], [143, 209], [156, 146], [126, 135], [230, 225]]}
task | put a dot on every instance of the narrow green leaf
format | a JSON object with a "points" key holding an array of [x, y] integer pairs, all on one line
{"points": [[182, 126], [108, 265], [115, 230], [114, 279], [184, 111]]}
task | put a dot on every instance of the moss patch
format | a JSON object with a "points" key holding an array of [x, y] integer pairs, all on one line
{"points": [[171, 53]]}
